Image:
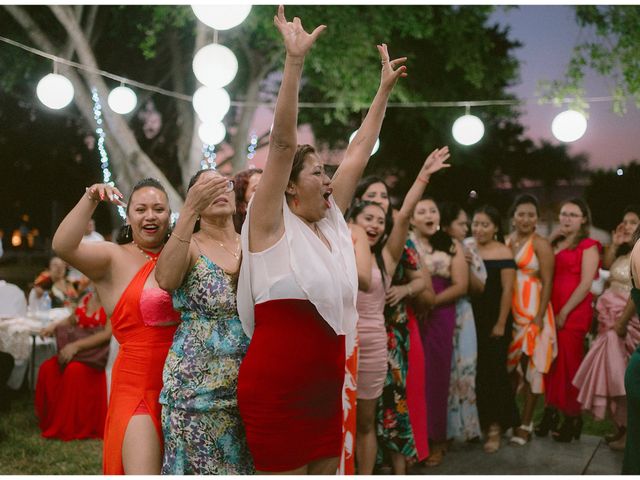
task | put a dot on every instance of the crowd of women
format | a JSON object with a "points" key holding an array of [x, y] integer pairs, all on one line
{"points": [[299, 324]]}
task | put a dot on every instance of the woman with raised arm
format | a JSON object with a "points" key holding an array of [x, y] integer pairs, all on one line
{"points": [[141, 315], [202, 429], [298, 281], [372, 335]]}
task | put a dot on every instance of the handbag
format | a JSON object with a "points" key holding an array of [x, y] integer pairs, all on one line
{"points": [[95, 357]]}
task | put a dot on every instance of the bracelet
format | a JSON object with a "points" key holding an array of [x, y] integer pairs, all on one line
{"points": [[409, 291], [425, 181], [179, 238]]}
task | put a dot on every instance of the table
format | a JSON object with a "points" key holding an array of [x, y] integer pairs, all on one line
{"points": [[20, 337]]}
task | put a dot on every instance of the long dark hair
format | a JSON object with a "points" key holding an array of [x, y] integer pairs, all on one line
{"points": [[584, 228], [441, 240], [355, 210], [494, 215], [241, 182], [363, 186], [124, 234], [627, 247]]}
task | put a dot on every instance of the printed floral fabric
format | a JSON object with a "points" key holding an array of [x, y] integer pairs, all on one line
{"points": [[462, 416], [393, 426], [203, 432]]}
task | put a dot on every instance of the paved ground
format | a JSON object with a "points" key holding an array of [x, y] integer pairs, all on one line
{"points": [[542, 456]]}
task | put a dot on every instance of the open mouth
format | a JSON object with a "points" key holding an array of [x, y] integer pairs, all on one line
{"points": [[429, 224], [326, 196], [151, 229], [372, 234]]}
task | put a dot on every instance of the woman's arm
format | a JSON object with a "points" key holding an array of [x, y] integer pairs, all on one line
{"points": [[179, 254], [363, 256], [72, 349], [507, 278], [91, 258], [394, 247], [266, 222], [590, 259], [622, 323], [617, 239], [459, 279], [50, 329], [422, 294], [359, 150], [547, 260]]}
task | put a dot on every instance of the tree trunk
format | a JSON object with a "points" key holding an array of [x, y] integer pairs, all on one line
{"points": [[136, 164]]}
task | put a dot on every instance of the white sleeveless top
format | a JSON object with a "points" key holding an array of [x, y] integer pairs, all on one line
{"points": [[300, 266]]}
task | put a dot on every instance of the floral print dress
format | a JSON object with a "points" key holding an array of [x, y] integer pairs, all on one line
{"points": [[202, 429], [395, 430]]}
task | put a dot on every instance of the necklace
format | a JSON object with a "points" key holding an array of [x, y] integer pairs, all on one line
{"points": [[149, 255], [235, 254]]}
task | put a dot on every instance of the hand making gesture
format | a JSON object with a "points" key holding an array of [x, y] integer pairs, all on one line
{"points": [[434, 163], [391, 69], [296, 40]]}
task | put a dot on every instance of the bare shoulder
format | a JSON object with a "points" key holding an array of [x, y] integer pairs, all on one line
{"points": [[541, 242], [502, 251]]}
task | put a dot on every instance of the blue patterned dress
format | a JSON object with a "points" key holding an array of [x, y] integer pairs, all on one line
{"points": [[203, 432]]}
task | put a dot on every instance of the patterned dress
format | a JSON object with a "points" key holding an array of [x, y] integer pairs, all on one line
{"points": [[403, 390], [540, 346], [202, 428]]}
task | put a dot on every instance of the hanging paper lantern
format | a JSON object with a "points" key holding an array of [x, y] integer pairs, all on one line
{"points": [[215, 65], [376, 146], [55, 91], [467, 129], [221, 17], [211, 104], [212, 133], [122, 100], [569, 126]]}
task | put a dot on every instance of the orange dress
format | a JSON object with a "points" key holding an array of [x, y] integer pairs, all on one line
{"points": [[137, 372]]}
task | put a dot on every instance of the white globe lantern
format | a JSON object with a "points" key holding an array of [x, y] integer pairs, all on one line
{"points": [[376, 146], [467, 129], [221, 17], [122, 100], [55, 91], [211, 104], [569, 126], [215, 66], [212, 133]]}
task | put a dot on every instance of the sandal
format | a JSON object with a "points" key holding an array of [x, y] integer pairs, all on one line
{"points": [[492, 445], [522, 440], [435, 458]]}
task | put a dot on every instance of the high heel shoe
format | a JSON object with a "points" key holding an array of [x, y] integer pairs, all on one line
{"points": [[549, 422], [571, 428]]}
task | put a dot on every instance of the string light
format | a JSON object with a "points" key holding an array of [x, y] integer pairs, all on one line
{"points": [[251, 150], [104, 157]]}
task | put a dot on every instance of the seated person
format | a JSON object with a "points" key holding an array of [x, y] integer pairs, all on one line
{"points": [[55, 281], [71, 393]]}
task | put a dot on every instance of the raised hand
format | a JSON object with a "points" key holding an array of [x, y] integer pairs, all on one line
{"points": [[205, 191], [435, 162], [103, 191], [617, 235], [297, 41], [392, 70]]}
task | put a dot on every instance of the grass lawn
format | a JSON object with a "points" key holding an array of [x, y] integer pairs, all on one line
{"points": [[24, 452]]}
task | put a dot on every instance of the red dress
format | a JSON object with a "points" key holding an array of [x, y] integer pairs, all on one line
{"points": [[137, 372], [71, 400], [559, 390], [290, 386]]}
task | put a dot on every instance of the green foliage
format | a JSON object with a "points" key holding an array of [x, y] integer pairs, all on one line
{"points": [[613, 52]]}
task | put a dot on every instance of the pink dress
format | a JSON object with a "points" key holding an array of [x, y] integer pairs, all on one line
{"points": [[372, 338], [600, 378]]}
